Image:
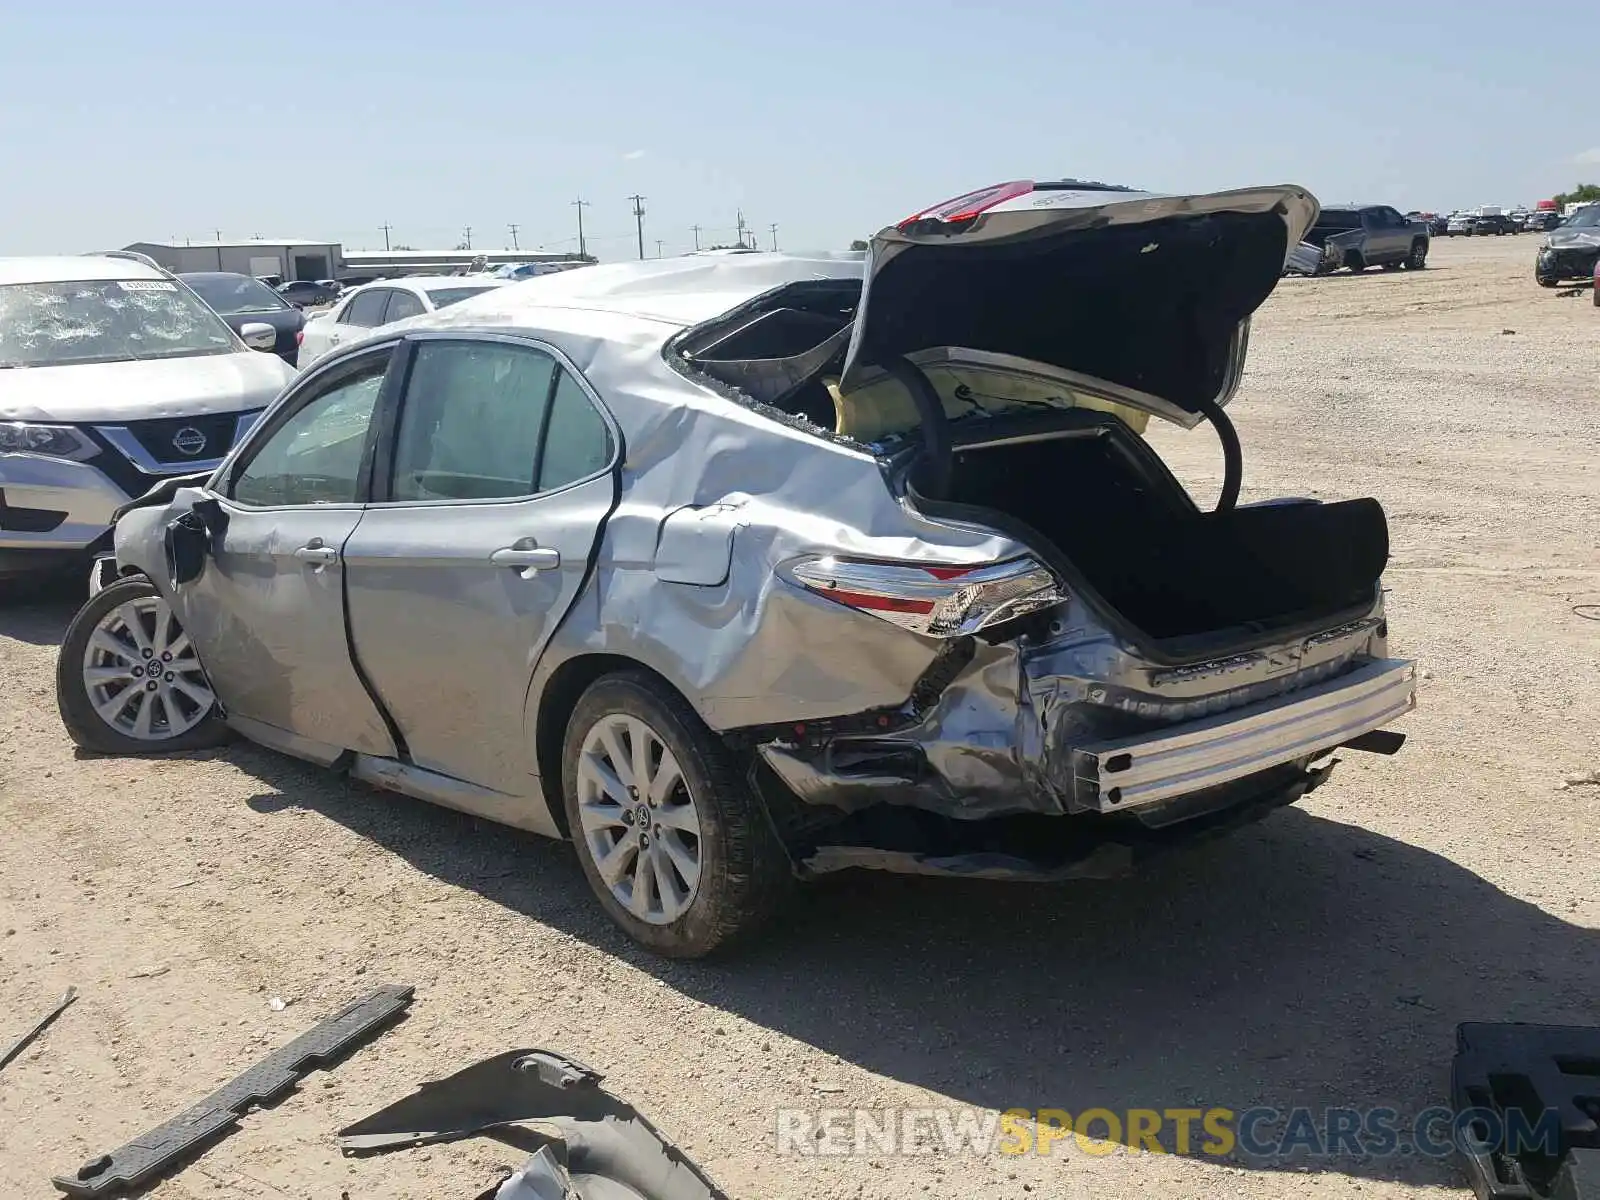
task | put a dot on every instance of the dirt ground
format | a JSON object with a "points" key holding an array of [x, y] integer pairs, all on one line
{"points": [[1320, 958]]}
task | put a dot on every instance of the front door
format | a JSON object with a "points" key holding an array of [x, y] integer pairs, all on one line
{"points": [[267, 612], [487, 505]]}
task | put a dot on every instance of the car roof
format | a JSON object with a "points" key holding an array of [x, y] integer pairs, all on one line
{"points": [[680, 291], [215, 275], [71, 268]]}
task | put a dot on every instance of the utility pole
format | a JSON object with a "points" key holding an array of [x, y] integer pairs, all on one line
{"points": [[386, 228], [774, 228], [513, 230], [696, 229], [219, 234], [659, 244], [638, 217], [469, 237], [580, 204], [741, 228]]}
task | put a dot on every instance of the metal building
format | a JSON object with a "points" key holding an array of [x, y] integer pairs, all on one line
{"points": [[287, 258]]}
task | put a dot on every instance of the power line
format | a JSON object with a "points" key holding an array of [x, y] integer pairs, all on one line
{"points": [[580, 204], [638, 217]]}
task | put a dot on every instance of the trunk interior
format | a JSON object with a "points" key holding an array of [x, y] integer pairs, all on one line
{"points": [[1099, 498]]}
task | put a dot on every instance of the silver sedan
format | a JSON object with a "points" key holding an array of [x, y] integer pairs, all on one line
{"points": [[737, 569]]}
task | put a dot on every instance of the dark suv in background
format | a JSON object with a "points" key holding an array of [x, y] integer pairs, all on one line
{"points": [[1571, 249], [241, 300]]}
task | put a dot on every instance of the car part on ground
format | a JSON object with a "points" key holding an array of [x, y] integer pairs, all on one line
{"points": [[590, 1142], [1537, 1083], [168, 1146], [22, 1043], [974, 625]]}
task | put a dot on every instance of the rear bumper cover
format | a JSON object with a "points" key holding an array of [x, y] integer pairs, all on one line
{"points": [[1132, 772]]}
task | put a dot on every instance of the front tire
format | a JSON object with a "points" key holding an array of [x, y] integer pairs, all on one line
{"points": [[128, 680], [674, 843]]}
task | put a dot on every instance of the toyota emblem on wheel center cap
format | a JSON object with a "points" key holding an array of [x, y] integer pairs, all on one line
{"points": [[189, 440]]}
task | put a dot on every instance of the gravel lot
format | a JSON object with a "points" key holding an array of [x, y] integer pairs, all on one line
{"points": [[1320, 958]]}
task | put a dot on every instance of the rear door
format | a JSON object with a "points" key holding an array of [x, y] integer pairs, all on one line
{"points": [[489, 497], [402, 304], [267, 613], [355, 318]]}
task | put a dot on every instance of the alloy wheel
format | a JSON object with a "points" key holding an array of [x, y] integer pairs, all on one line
{"points": [[640, 823], [141, 672]]}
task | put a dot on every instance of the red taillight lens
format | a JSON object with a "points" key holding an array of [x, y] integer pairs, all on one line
{"points": [[939, 601], [964, 208], [299, 337]]}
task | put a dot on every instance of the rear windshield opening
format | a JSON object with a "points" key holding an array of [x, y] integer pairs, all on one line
{"points": [[778, 350]]}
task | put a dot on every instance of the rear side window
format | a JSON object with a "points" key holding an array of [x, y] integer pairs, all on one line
{"points": [[470, 421], [315, 456], [366, 310], [577, 443], [401, 306]]}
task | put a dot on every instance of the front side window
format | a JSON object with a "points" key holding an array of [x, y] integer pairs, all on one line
{"points": [[102, 321], [315, 456], [470, 421], [366, 310]]}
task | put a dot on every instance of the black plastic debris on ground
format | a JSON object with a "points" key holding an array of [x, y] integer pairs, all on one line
{"points": [[583, 1139], [1542, 1084], [155, 1153], [22, 1043]]}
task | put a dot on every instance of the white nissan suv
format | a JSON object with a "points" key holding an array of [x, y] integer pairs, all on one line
{"points": [[113, 375]]}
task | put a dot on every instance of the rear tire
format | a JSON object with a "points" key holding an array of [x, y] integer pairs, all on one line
{"points": [[1418, 258], [128, 681], [674, 843], [1355, 262]]}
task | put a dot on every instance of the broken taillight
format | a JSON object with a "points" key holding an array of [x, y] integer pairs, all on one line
{"points": [[973, 204], [937, 600]]}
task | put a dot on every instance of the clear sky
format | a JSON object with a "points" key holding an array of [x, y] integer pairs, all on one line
{"points": [[123, 122]]}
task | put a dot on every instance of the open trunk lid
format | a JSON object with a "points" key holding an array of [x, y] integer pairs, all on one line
{"points": [[1148, 296]]}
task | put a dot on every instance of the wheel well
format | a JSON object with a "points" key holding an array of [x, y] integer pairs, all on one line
{"points": [[571, 679]]}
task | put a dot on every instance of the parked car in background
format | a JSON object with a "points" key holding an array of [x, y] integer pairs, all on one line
{"points": [[242, 300], [367, 308], [1368, 236], [735, 568], [1495, 223], [1570, 250], [1460, 225], [1543, 221], [333, 285], [515, 271], [308, 293], [113, 375]]}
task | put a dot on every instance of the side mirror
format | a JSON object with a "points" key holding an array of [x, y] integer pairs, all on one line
{"points": [[258, 335]]}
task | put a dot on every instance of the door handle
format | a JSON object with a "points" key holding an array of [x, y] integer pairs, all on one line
{"points": [[530, 558], [317, 554]]}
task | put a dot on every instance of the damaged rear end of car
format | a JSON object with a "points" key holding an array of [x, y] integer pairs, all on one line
{"points": [[1022, 651]]}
